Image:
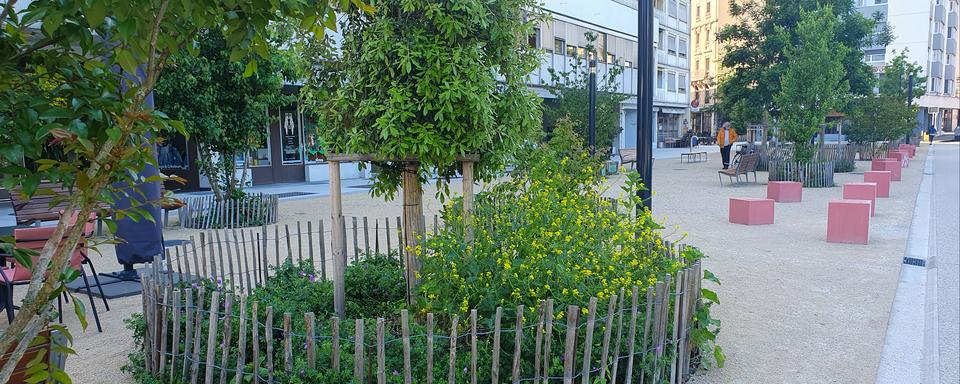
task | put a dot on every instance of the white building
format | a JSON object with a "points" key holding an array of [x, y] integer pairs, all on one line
{"points": [[615, 23], [927, 29]]}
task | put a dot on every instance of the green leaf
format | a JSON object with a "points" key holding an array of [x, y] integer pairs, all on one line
{"points": [[61, 376], [113, 133], [709, 295], [251, 68], [96, 13], [719, 356], [126, 61], [709, 276], [80, 311]]}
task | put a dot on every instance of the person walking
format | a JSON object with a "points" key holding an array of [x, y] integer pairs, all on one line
{"points": [[725, 139], [931, 133]]}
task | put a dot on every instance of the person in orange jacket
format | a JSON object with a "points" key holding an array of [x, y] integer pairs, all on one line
{"points": [[726, 136]]}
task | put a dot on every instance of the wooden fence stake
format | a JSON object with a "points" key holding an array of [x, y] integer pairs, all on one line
{"points": [[212, 337]]}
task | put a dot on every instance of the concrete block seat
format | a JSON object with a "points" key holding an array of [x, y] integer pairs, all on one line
{"points": [[882, 179], [892, 165], [848, 221], [900, 156], [751, 211], [910, 149], [862, 191], [785, 191]]}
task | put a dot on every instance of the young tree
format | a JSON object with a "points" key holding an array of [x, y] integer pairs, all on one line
{"points": [[755, 53], [814, 83], [895, 79], [570, 89], [419, 83], [61, 91], [879, 118], [226, 111]]}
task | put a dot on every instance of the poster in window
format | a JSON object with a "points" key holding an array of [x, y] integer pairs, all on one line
{"points": [[290, 137], [172, 153]]}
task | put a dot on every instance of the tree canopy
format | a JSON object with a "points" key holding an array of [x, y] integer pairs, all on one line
{"points": [[222, 103], [813, 85], [571, 92], [756, 52], [432, 81], [887, 116], [895, 79]]}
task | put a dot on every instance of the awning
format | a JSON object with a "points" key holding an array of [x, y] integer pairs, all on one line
{"points": [[674, 111]]}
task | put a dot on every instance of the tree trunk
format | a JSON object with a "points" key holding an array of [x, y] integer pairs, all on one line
{"points": [[412, 222], [208, 168]]}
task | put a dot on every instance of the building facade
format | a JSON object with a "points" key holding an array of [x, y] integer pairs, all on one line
{"points": [[615, 24], [708, 17], [927, 30]]}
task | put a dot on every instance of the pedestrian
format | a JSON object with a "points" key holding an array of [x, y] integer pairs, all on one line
{"points": [[725, 139], [931, 133]]}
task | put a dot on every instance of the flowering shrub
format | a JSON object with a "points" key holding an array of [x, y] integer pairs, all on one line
{"points": [[547, 233]]}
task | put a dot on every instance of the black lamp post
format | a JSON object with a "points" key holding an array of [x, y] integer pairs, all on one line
{"points": [[645, 98], [910, 101], [592, 108]]}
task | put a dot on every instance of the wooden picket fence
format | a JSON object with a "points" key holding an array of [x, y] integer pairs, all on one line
{"points": [[811, 174], [199, 335], [206, 212], [842, 155]]}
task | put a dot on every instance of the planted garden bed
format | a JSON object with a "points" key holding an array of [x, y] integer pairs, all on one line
{"points": [[811, 174]]}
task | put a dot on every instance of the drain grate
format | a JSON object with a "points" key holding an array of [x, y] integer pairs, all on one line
{"points": [[362, 186], [914, 261], [293, 194]]}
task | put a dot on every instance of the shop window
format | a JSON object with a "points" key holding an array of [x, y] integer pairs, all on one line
{"points": [[313, 146], [291, 150]]}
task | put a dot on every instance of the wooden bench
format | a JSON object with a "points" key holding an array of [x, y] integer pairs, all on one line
{"points": [[628, 155], [38, 208], [747, 164], [693, 157]]}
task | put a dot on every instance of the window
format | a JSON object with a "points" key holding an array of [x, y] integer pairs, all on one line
{"points": [[706, 42], [291, 146], [682, 11], [938, 27], [706, 66], [696, 39], [661, 36], [660, 79], [696, 66], [558, 46], [708, 9], [935, 85], [951, 59], [671, 81], [571, 50], [672, 44], [581, 52], [682, 83], [534, 39], [611, 58], [672, 8], [948, 87], [628, 64], [698, 12], [682, 48]]}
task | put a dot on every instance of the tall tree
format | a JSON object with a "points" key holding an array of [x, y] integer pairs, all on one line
{"points": [[895, 79], [571, 92], [755, 53], [887, 116], [95, 117], [421, 82], [814, 83], [226, 111]]}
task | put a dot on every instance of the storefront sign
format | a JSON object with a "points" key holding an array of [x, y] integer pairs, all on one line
{"points": [[290, 138]]}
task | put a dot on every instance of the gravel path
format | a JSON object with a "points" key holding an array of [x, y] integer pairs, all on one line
{"points": [[794, 308]]}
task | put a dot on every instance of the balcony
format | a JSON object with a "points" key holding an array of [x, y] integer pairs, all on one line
{"points": [[667, 59], [671, 22], [662, 96]]}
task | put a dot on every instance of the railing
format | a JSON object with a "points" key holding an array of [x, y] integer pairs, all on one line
{"points": [[812, 174], [206, 212], [195, 334]]}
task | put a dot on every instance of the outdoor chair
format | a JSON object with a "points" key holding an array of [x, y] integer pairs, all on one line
{"points": [[747, 165], [628, 155], [34, 239]]}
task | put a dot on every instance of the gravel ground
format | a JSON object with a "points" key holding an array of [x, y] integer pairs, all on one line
{"points": [[794, 308]]}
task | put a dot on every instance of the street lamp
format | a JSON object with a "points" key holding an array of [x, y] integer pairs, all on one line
{"points": [[592, 108], [645, 99]]}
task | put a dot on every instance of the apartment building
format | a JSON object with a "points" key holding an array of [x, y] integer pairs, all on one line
{"points": [[708, 17], [615, 24], [927, 29]]}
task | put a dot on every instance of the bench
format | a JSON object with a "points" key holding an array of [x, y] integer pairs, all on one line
{"points": [[628, 155], [693, 157], [747, 164], [37, 208]]}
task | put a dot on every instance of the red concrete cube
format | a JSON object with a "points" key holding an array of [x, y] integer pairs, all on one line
{"points": [[785, 191], [910, 148], [862, 191], [882, 179], [848, 221], [750, 211], [900, 156], [892, 165]]}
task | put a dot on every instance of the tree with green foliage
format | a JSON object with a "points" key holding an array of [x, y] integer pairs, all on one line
{"points": [[755, 53], [61, 93], [571, 95], [895, 79], [814, 83], [420, 83], [223, 103]]}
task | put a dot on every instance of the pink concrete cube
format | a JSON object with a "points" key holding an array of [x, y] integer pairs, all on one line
{"points": [[900, 156], [848, 221], [750, 211], [882, 179], [891, 165], [785, 191], [910, 148], [862, 191]]}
